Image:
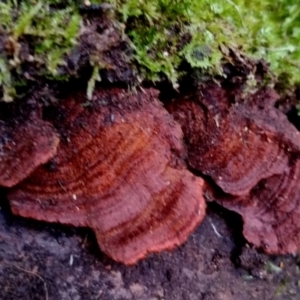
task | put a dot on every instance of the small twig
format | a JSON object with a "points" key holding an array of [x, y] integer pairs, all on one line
{"points": [[60, 184], [215, 230], [33, 274]]}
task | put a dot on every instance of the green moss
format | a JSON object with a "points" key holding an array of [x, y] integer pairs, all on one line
{"points": [[259, 28], [37, 33], [164, 34]]}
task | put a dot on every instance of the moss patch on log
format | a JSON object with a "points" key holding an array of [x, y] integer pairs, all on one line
{"points": [[165, 33], [35, 35], [166, 36]]}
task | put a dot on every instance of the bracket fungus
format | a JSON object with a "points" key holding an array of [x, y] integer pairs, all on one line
{"points": [[24, 146], [236, 145], [271, 212], [251, 151], [119, 169]]}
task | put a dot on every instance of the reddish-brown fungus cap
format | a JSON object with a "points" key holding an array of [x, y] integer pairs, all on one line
{"points": [[236, 145], [24, 146], [271, 212], [252, 153], [118, 170]]}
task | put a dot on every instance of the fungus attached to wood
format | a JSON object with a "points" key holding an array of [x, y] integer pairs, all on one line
{"points": [[236, 145], [24, 146], [271, 212], [251, 151], [119, 169]]}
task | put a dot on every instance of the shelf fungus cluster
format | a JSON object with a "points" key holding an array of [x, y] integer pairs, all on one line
{"points": [[252, 153], [119, 169], [24, 145], [117, 164]]}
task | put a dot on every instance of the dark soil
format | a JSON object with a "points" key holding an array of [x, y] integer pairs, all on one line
{"points": [[44, 261]]}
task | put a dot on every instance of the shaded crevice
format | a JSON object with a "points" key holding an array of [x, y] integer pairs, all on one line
{"points": [[294, 117], [232, 219]]}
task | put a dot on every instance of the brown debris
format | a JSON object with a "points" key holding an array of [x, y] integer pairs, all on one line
{"points": [[119, 170], [102, 42], [251, 152], [23, 147]]}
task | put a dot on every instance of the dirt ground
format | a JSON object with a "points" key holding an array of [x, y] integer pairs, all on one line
{"points": [[48, 261]]}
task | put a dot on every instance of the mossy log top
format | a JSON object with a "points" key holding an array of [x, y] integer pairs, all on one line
{"points": [[42, 40]]}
